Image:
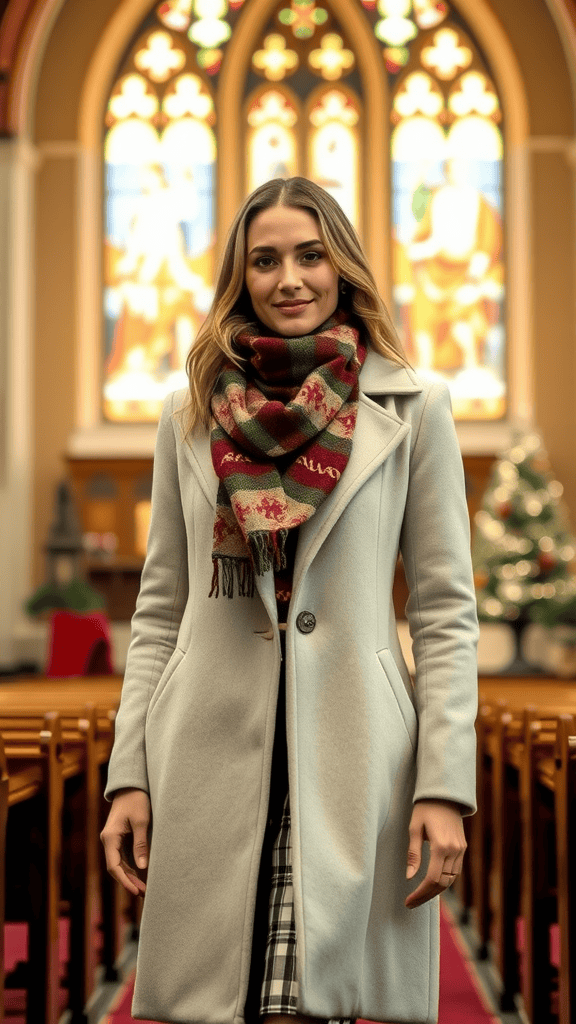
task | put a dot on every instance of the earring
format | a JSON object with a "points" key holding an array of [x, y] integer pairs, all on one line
{"points": [[343, 287]]}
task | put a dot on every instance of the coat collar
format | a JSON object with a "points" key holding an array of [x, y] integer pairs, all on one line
{"points": [[377, 433], [380, 376]]}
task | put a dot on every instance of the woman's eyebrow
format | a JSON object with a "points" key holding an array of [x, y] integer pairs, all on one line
{"points": [[272, 248]]}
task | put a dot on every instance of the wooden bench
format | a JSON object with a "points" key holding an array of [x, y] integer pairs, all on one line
{"points": [[32, 791], [33, 695], [80, 882], [565, 760], [521, 846], [547, 771], [87, 732], [539, 893]]}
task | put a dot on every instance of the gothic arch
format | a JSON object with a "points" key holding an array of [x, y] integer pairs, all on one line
{"points": [[26, 30], [375, 92]]}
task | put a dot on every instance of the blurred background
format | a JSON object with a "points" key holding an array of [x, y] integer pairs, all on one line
{"points": [[130, 133]]}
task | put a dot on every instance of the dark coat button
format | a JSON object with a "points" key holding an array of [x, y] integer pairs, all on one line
{"points": [[306, 622]]}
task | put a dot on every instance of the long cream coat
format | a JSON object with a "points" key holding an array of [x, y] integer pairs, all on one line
{"points": [[196, 721]]}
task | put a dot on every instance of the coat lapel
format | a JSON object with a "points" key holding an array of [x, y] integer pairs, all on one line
{"points": [[377, 433]]}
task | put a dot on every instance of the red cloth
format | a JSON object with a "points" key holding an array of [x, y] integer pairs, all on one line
{"points": [[80, 644]]}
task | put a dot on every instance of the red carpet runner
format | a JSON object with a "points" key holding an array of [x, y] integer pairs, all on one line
{"points": [[461, 998]]}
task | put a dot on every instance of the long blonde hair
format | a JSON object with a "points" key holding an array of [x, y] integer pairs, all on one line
{"points": [[231, 309]]}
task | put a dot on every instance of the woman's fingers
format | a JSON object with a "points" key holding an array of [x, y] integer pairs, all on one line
{"points": [[427, 889], [441, 823], [126, 838], [415, 848], [433, 883], [118, 867]]}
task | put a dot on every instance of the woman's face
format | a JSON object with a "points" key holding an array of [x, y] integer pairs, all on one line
{"points": [[292, 283]]}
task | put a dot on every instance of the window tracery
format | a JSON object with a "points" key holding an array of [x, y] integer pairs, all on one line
{"points": [[304, 113]]}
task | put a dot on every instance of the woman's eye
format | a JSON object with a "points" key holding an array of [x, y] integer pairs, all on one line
{"points": [[265, 262]]}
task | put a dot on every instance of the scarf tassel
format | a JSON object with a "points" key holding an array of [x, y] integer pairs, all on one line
{"points": [[268, 550], [226, 570]]}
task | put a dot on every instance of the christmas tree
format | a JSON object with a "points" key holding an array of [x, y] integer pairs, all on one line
{"points": [[522, 551]]}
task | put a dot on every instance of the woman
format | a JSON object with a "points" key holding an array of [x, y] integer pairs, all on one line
{"points": [[306, 455]]}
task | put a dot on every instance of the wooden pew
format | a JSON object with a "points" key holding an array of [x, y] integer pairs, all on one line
{"points": [[87, 883], [32, 696], [504, 874], [4, 784], [80, 837], [525, 833], [565, 794], [538, 902], [547, 772], [31, 856]]}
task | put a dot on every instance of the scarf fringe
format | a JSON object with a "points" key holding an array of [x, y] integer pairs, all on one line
{"points": [[267, 550], [226, 570]]}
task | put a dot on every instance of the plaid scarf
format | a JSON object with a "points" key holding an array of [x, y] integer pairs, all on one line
{"points": [[281, 436]]}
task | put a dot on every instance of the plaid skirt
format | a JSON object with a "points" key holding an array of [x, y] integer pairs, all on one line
{"points": [[279, 992]]}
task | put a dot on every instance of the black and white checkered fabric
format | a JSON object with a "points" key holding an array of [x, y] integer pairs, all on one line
{"points": [[280, 987]]}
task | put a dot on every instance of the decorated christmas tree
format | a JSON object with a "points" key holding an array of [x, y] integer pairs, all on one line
{"points": [[522, 550]]}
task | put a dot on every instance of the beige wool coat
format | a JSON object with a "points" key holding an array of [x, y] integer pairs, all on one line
{"points": [[195, 726]]}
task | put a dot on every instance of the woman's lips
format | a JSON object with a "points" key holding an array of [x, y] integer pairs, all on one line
{"points": [[293, 310]]}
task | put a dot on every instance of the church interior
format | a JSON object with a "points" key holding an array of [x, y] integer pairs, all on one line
{"points": [[130, 133]]}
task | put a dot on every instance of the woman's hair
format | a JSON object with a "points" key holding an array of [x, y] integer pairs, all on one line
{"points": [[231, 309]]}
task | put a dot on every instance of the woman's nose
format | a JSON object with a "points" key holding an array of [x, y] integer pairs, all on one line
{"points": [[290, 276]]}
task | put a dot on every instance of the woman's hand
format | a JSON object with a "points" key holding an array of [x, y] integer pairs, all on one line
{"points": [[440, 822], [125, 838]]}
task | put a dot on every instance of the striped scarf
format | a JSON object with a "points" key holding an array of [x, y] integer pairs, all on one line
{"points": [[281, 436]]}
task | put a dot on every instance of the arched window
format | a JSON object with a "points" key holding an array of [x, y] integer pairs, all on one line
{"points": [[333, 146], [272, 144], [159, 218], [447, 201], [304, 127], [303, 112]]}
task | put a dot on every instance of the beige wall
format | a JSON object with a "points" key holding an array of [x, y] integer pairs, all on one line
{"points": [[66, 59], [554, 315], [75, 33], [538, 48], [53, 353]]}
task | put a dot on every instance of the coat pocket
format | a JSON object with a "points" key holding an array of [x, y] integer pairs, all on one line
{"points": [[407, 709], [171, 666]]}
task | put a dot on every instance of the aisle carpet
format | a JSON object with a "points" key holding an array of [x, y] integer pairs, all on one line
{"points": [[462, 1000]]}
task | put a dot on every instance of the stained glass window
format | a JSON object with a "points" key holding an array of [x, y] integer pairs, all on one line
{"points": [[159, 216], [300, 127], [303, 102], [272, 147], [447, 202], [333, 148]]}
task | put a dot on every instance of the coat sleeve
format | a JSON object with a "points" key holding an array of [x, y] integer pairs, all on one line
{"points": [[441, 608], [159, 609]]}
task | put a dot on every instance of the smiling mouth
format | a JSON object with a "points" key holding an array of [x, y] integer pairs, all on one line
{"points": [[291, 305]]}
